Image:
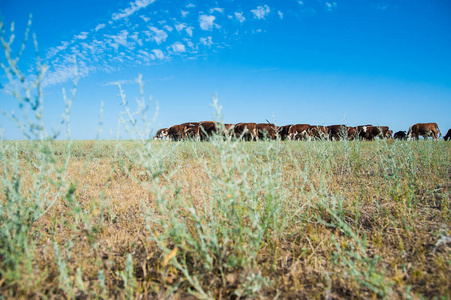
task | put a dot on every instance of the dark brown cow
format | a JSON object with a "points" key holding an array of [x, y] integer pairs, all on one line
{"points": [[191, 130], [283, 132], [448, 135], [352, 133], [161, 133], [400, 135], [337, 132], [424, 129], [298, 131], [207, 129], [266, 130], [317, 132], [176, 132], [248, 131]]}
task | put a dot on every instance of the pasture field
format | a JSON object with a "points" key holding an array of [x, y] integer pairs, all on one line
{"points": [[225, 219]]}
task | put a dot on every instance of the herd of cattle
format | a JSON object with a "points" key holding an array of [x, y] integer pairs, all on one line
{"points": [[255, 131]]}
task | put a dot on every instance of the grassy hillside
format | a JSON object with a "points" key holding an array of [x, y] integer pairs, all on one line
{"points": [[224, 219]]}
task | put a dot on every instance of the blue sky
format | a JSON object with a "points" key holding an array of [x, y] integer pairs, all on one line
{"points": [[312, 61]]}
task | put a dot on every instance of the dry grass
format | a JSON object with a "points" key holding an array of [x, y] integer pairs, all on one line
{"points": [[307, 220]]}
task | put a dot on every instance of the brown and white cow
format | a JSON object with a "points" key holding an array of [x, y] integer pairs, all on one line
{"points": [[337, 132], [448, 135], [424, 129], [228, 130], [176, 132], [266, 131], [246, 131], [191, 130], [298, 131], [317, 132], [161, 133], [370, 132], [283, 131]]}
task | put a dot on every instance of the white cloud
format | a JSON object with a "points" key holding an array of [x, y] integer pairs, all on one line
{"points": [[146, 55], [239, 17], [189, 43], [136, 38], [189, 30], [207, 41], [82, 36], [184, 13], [191, 5], [119, 39], [158, 53], [280, 14], [168, 28], [134, 6], [301, 3], [206, 22], [178, 47], [331, 5], [261, 12], [220, 10], [63, 46], [158, 35], [146, 19], [118, 82], [179, 27], [100, 26]]}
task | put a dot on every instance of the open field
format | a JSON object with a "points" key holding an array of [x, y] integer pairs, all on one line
{"points": [[222, 219]]}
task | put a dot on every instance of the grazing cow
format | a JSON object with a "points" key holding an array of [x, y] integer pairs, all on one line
{"points": [[317, 132], [176, 132], [448, 135], [298, 131], [337, 132], [389, 134], [283, 132], [370, 132], [207, 129], [400, 135], [191, 130], [352, 133], [424, 129], [248, 131], [161, 133], [266, 131], [228, 130]]}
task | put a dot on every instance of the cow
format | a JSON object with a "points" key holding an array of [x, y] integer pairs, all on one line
{"points": [[389, 134], [283, 132], [400, 135], [352, 133], [161, 133], [424, 129], [191, 130], [176, 132], [370, 132], [317, 132], [448, 135], [266, 131], [247, 131], [337, 132], [298, 131], [206, 129], [228, 130]]}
